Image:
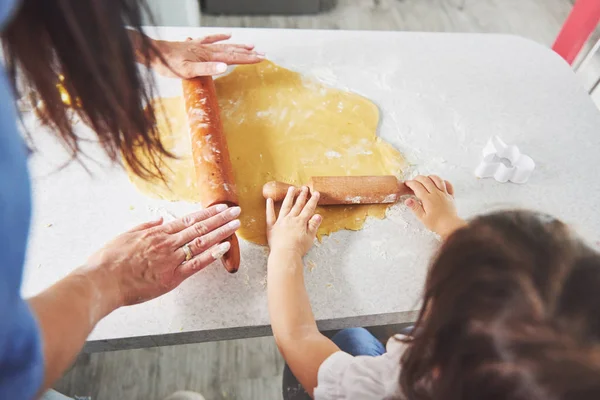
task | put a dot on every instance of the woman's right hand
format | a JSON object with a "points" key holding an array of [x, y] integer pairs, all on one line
{"points": [[435, 206], [149, 260]]}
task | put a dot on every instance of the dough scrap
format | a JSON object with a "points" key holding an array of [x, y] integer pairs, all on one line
{"points": [[279, 126]]}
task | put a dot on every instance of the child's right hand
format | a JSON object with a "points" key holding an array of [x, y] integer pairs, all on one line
{"points": [[435, 208]]}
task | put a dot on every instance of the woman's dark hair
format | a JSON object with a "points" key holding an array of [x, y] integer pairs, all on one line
{"points": [[511, 310], [86, 41]]}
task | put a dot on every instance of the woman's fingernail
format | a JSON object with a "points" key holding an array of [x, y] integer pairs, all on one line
{"points": [[260, 53], [409, 202], [220, 68], [221, 207], [220, 250], [235, 211], [318, 218], [234, 224]]}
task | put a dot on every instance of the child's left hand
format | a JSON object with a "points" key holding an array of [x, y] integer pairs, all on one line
{"points": [[295, 229]]}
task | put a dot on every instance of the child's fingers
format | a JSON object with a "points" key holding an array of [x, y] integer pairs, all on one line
{"points": [[271, 217], [288, 202], [426, 182], [416, 207], [439, 183], [417, 188], [314, 223], [311, 206], [450, 188], [300, 202]]}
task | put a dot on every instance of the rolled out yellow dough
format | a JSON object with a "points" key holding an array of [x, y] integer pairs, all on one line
{"points": [[279, 126]]}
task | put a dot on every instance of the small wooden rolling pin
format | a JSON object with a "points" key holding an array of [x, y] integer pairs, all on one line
{"points": [[346, 189], [214, 172]]}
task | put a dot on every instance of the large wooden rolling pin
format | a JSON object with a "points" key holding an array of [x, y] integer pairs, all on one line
{"points": [[346, 189], [214, 172]]}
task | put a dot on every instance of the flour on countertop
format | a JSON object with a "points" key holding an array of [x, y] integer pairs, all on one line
{"points": [[390, 198], [162, 212], [324, 75]]}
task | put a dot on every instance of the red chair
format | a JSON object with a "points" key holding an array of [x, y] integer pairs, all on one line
{"points": [[580, 24]]}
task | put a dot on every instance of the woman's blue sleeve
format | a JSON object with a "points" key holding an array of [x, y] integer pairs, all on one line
{"points": [[21, 357]]}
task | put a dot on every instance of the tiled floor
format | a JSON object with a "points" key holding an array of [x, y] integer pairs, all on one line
{"points": [[250, 369]]}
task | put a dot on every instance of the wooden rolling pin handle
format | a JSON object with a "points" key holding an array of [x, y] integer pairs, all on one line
{"points": [[231, 259], [346, 189], [214, 172], [275, 190]]}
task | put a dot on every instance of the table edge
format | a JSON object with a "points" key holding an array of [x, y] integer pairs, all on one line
{"points": [[212, 335]]}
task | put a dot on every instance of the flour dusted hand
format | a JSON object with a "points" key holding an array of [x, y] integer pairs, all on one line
{"points": [[295, 229], [150, 260], [435, 208], [203, 56]]}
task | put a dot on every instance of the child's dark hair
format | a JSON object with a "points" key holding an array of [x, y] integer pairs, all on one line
{"points": [[511, 310]]}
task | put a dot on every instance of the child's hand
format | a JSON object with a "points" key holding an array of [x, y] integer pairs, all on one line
{"points": [[295, 229], [436, 208]]}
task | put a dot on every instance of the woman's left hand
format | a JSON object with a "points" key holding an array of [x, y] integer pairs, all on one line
{"points": [[154, 258], [203, 57]]}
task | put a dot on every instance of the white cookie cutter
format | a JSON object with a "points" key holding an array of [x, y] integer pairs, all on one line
{"points": [[504, 163]]}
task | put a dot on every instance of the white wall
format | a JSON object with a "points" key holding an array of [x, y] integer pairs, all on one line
{"points": [[175, 12]]}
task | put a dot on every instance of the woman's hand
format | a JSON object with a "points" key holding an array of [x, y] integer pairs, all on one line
{"points": [[149, 260], [295, 229], [202, 57], [435, 208]]}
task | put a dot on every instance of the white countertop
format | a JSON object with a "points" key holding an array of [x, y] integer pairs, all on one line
{"points": [[441, 97]]}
